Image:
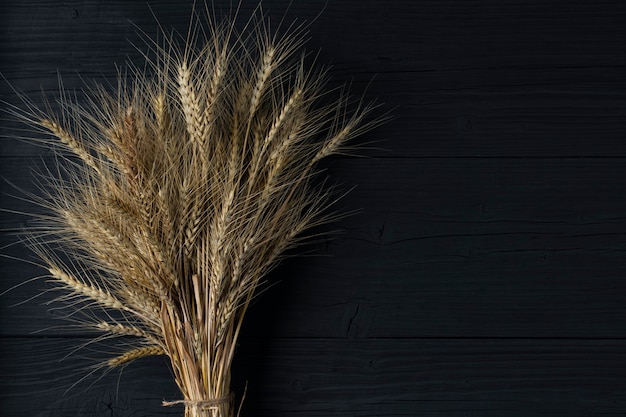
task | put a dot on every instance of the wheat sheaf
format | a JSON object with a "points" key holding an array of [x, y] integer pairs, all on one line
{"points": [[182, 188]]}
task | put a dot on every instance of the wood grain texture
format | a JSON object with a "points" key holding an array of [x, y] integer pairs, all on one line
{"points": [[460, 247], [313, 377], [494, 78], [485, 274]]}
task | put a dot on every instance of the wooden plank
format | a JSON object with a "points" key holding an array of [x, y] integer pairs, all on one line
{"points": [[312, 377], [454, 247], [443, 35], [38, 379], [462, 80]]}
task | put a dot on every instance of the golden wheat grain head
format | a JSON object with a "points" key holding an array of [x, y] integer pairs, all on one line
{"points": [[181, 188]]}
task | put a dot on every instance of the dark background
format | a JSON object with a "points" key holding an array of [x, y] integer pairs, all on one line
{"points": [[486, 272]]}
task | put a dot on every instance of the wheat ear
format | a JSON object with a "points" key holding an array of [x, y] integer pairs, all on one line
{"points": [[195, 182]]}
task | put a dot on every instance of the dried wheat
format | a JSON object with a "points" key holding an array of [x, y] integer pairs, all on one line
{"points": [[197, 182]]}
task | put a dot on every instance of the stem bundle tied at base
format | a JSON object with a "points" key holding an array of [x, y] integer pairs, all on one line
{"points": [[183, 188]]}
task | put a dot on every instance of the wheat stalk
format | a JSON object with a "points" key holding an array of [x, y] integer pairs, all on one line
{"points": [[193, 184]]}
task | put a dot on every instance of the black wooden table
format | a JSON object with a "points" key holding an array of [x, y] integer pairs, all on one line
{"points": [[486, 272]]}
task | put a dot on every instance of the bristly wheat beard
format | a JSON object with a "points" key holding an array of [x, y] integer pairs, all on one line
{"points": [[192, 182]]}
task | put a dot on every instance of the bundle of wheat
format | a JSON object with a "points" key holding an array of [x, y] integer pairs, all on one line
{"points": [[180, 190]]}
